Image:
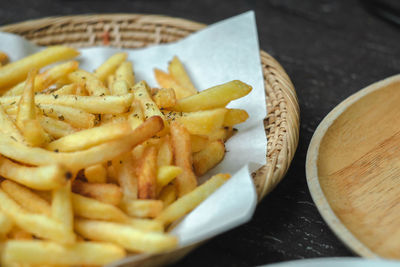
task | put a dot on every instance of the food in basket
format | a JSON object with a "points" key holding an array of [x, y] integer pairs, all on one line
{"points": [[98, 165]]}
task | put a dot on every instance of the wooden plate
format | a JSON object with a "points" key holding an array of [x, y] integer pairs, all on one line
{"points": [[353, 170]]}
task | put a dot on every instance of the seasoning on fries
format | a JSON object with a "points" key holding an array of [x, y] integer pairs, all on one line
{"points": [[95, 166]]}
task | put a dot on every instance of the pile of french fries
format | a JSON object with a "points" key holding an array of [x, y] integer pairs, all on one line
{"points": [[94, 166]]}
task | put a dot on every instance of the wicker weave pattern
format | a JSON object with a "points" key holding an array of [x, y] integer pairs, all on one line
{"points": [[133, 31]]}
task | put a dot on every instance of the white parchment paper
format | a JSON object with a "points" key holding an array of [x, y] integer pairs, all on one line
{"points": [[225, 51]]}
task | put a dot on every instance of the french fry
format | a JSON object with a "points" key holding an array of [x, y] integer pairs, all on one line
{"points": [[26, 198], [3, 58], [107, 193], [84, 158], [96, 173], [75, 117], [17, 233], [165, 80], [90, 137], [145, 224], [125, 73], [221, 134], [127, 178], [125, 236], [142, 208], [235, 116], [207, 158], [165, 154], [68, 89], [41, 178], [61, 207], [215, 97], [16, 71], [45, 79], [26, 115], [199, 122], [135, 117], [178, 72], [6, 224], [94, 86], [167, 195], [181, 145], [187, 203], [198, 142], [119, 87], [165, 98], [109, 66], [91, 104], [147, 174], [39, 253], [167, 173], [55, 128], [8, 127], [91, 208], [149, 108], [37, 224]]}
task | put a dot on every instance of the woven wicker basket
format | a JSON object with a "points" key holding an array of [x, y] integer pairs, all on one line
{"points": [[132, 31]]}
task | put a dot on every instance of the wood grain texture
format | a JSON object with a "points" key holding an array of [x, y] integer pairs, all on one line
{"points": [[355, 157]]}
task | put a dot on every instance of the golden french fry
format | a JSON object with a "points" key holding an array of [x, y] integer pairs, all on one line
{"points": [[181, 145], [125, 73], [91, 104], [41, 178], [165, 155], [165, 98], [109, 66], [119, 87], [26, 198], [6, 224], [147, 174], [126, 176], [94, 86], [149, 108], [165, 80], [189, 201], [125, 236], [142, 208], [221, 134], [3, 58], [215, 97], [167, 195], [198, 142], [40, 253], [207, 158], [167, 173], [199, 122], [96, 173], [45, 79], [235, 116], [75, 117], [16, 71], [135, 117], [107, 193], [17, 233], [110, 81], [8, 127], [178, 72], [90, 137], [84, 158], [91, 208], [68, 89], [37, 224], [34, 133], [145, 224], [55, 128], [61, 207]]}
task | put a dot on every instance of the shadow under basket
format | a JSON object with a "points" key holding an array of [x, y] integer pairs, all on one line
{"points": [[134, 31]]}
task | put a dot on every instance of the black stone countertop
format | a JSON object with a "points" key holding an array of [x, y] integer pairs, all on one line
{"points": [[330, 49]]}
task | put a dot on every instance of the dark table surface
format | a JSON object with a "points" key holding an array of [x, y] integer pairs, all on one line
{"points": [[330, 49]]}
